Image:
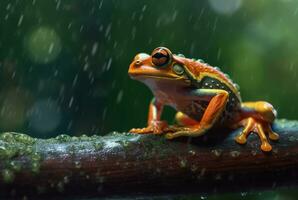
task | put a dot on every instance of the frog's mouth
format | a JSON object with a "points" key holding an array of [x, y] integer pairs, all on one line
{"points": [[147, 72], [155, 76]]}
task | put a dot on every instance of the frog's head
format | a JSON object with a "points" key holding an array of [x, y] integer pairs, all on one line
{"points": [[161, 66]]}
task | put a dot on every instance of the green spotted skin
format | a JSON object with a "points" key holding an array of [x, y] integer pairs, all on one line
{"points": [[197, 108]]}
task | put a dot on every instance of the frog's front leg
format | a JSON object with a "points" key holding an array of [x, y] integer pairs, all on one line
{"points": [[213, 111], [154, 124]]}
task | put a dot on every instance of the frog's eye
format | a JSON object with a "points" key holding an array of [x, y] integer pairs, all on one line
{"points": [[161, 56]]}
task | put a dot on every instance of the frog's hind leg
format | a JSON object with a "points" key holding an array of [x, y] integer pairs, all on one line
{"points": [[213, 111], [257, 117], [184, 120]]}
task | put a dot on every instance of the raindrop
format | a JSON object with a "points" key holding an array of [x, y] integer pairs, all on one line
{"points": [[144, 8], [133, 32], [94, 48], [8, 6], [119, 96], [69, 25], [174, 15], [86, 66], [109, 64], [70, 102], [58, 5], [75, 80], [51, 47], [108, 30], [20, 20], [218, 54]]}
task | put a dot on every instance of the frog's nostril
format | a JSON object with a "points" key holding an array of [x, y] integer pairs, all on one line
{"points": [[138, 62]]}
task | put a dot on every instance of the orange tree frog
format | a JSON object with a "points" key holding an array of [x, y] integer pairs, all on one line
{"points": [[203, 96]]}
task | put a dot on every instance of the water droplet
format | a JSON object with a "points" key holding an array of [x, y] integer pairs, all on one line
{"points": [[194, 168], [218, 177], [183, 163], [8, 176], [200, 61], [217, 152], [66, 179], [243, 194], [217, 68], [60, 186], [62, 138], [15, 166], [292, 138], [234, 153], [253, 152], [35, 166], [203, 171], [78, 164], [192, 152]]}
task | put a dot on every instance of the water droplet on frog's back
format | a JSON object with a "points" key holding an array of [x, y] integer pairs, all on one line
{"points": [[180, 55]]}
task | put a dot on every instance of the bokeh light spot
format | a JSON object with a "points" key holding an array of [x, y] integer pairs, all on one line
{"points": [[12, 112], [43, 45], [225, 7], [44, 116]]}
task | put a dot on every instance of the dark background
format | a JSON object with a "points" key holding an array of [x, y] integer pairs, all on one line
{"points": [[63, 64]]}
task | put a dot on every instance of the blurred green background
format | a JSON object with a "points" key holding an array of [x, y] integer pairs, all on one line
{"points": [[63, 63]]}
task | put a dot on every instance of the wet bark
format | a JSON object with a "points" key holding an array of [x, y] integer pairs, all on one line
{"points": [[126, 164]]}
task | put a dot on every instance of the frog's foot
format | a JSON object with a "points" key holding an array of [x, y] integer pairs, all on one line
{"points": [[192, 131], [155, 127], [251, 125]]}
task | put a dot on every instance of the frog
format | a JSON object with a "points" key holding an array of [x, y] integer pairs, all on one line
{"points": [[203, 96]]}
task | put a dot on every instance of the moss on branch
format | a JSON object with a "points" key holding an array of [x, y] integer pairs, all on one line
{"points": [[123, 163]]}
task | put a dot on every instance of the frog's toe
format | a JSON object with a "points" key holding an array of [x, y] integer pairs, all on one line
{"points": [[249, 125], [191, 132], [272, 135], [141, 130], [240, 139], [266, 147], [178, 133]]}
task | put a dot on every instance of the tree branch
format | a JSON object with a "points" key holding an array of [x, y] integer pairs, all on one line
{"points": [[148, 164]]}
